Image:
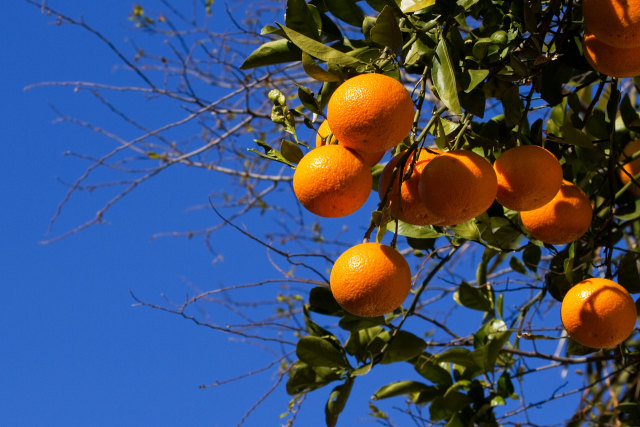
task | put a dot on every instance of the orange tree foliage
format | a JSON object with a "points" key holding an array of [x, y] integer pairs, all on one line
{"points": [[485, 76]]}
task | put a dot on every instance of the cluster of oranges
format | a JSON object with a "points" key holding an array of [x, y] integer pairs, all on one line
{"points": [[372, 113], [611, 41]]}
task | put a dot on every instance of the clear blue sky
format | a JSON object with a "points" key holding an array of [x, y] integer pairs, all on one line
{"points": [[74, 350]]}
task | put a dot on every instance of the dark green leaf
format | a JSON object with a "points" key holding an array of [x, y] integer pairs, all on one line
{"points": [[531, 257], [444, 407], [404, 346], [321, 301], [317, 72], [426, 366], [414, 231], [308, 99], [400, 388], [386, 31], [628, 112], [475, 77], [459, 356], [628, 272], [312, 327], [473, 102], [505, 386], [317, 351], [444, 78], [299, 18], [302, 377], [347, 11], [337, 401], [517, 266], [360, 340], [270, 53], [270, 153], [291, 151], [512, 106], [319, 50], [575, 136], [472, 297]]}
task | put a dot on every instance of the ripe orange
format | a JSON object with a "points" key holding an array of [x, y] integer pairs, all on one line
{"points": [[370, 279], [563, 220], [370, 159], [613, 61], [631, 168], [528, 177], [332, 181], [457, 186], [598, 313], [406, 204], [614, 22], [370, 113]]}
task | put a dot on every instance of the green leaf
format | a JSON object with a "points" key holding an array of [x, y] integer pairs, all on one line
{"points": [[317, 72], [360, 340], [414, 231], [444, 407], [399, 388], [319, 50], [512, 106], [312, 327], [404, 346], [427, 366], [531, 257], [347, 11], [444, 78], [475, 78], [386, 31], [629, 115], [472, 297], [298, 17], [317, 351], [517, 266], [291, 151], [321, 301], [505, 386], [575, 136], [271, 53], [628, 272], [489, 340], [459, 356], [306, 96], [303, 377], [270, 153], [336, 402]]}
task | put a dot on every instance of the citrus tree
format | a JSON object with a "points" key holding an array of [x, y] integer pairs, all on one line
{"points": [[501, 183]]}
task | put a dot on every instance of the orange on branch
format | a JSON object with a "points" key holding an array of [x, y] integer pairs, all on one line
{"points": [[598, 313], [370, 159], [406, 204], [529, 176], [563, 220], [613, 61], [332, 181], [370, 279], [613, 22], [457, 186], [370, 113]]}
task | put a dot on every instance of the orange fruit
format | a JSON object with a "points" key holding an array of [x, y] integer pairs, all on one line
{"points": [[632, 168], [614, 22], [370, 113], [457, 186], [598, 313], [370, 279], [406, 204], [528, 177], [563, 220], [613, 61], [332, 181], [370, 159]]}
